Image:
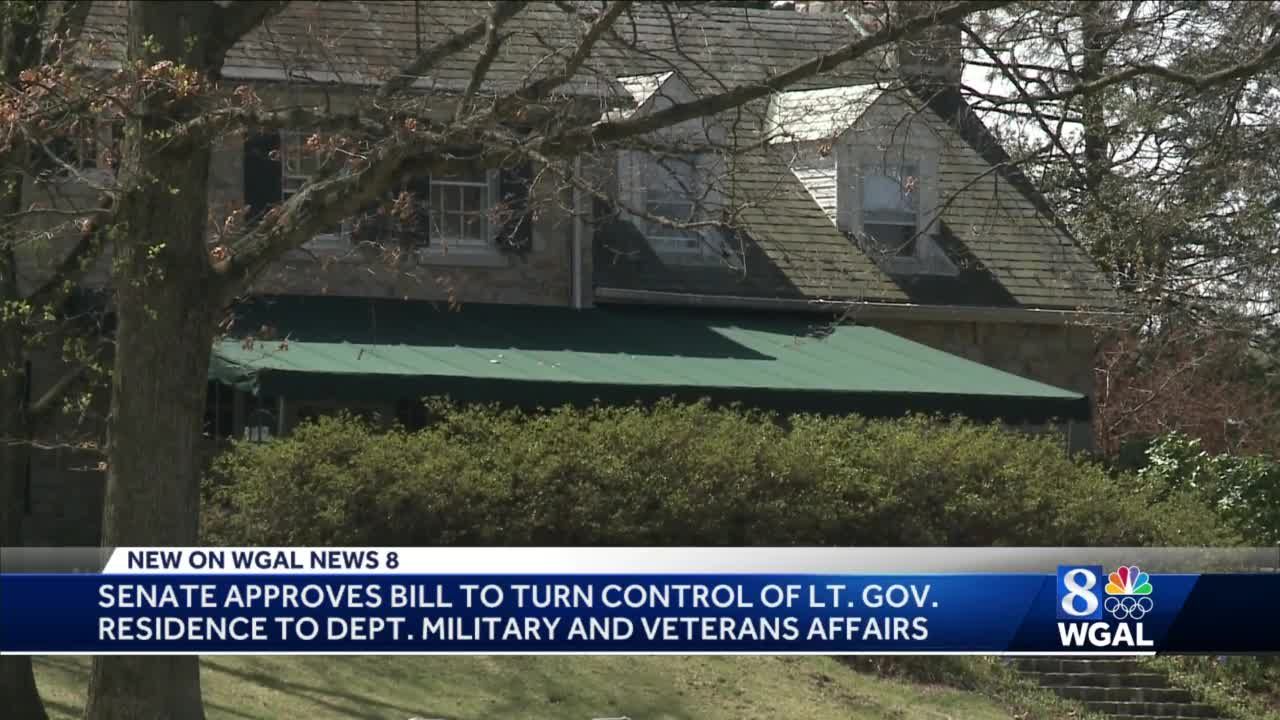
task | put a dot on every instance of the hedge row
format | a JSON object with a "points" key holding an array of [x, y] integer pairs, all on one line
{"points": [[681, 475]]}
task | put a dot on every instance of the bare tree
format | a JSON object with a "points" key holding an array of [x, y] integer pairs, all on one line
{"points": [[1160, 119], [501, 85]]}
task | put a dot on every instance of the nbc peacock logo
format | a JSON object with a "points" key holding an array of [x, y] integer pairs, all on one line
{"points": [[1128, 593]]}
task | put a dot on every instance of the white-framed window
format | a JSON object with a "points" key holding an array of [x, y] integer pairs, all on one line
{"points": [[461, 210], [887, 202], [890, 203], [680, 189], [81, 151], [298, 164], [87, 151]]}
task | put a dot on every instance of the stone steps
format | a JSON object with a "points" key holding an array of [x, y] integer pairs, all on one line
{"points": [[1124, 694], [1122, 689], [1088, 679]]}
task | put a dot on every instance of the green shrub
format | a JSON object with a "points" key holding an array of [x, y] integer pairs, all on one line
{"points": [[1243, 490], [681, 475]]}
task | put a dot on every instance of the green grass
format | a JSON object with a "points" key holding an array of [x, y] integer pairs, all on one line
{"points": [[559, 688]]}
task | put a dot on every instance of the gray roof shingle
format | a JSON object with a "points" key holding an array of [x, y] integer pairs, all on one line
{"points": [[1002, 223]]}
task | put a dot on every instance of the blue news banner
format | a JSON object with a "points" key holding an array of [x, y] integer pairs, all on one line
{"points": [[1087, 609]]}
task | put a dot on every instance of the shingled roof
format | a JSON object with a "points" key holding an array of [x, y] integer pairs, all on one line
{"points": [[1015, 251], [367, 40]]}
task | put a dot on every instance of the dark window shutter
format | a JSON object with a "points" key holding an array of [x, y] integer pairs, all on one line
{"points": [[514, 214], [116, 130], [262, 175], [416, 229]]}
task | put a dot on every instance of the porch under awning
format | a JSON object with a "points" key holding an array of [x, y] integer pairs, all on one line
{"points": [[344, 349]]}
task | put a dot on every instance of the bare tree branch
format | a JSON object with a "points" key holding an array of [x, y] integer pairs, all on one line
{"points": [[598, 27], [324, 202], [611, 131], [492, 43], [312, 117], [48, 400], [327, 201], [87, 248], [503, 10], [1032, 108], [1263, 58]]}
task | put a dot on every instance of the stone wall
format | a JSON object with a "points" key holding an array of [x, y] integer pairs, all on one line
{"points": [[1059, 355]]}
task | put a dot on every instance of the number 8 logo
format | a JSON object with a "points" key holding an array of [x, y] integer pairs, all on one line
{"points": [[1076, 590]]}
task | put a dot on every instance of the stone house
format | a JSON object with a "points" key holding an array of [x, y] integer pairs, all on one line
{"points": [[857, 243]]}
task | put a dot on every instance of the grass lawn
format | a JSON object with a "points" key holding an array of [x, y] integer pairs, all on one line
{"points": [[559, 688]]}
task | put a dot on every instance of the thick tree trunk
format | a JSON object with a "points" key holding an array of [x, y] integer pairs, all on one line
{"points": [[165, 308], [17, 682], [1095, 24], [163, 334], [1095, 38], [163, 337], [165, 305], [20, 47]]}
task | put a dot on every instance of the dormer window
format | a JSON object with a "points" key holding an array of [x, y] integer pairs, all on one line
{"points": [[887, 202], [891, 204], [664, 192]]}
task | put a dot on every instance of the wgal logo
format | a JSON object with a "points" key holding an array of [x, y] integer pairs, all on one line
{"points": [[1128, 593], [1081, 599]]}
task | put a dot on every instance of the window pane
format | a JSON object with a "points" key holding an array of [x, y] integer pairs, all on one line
{"points": [[473, 229], [881, 192], [890, 192], [473, 198]]}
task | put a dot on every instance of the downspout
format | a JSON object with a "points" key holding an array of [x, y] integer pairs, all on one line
{"points": [[579, 230]]}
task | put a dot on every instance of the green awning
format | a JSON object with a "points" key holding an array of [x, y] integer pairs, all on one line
{"points": [[343, 348]]}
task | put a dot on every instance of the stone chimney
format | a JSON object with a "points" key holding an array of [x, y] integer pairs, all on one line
{"points": [[930, 60]]}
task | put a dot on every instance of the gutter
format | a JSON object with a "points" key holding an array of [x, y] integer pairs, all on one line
{"points": [[591, 88], [858, 309]]}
